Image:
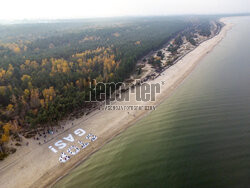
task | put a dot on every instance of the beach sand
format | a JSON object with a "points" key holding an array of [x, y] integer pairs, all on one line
{"points": [[37, 166]]}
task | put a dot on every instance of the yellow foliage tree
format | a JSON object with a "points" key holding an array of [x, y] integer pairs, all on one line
{"points": [[10, 108], [48, 95], [25, 77], [5, 136]]}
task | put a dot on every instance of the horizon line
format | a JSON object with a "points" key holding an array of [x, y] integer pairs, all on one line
{"points": [[113, 17]]}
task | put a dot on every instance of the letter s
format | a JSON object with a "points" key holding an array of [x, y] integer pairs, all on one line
{"points": [[60, 144]]}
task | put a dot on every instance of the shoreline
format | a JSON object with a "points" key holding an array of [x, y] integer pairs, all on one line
{"points": [[40, 167]]}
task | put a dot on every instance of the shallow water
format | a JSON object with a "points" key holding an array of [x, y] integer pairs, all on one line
{"points": [[199, 137]]}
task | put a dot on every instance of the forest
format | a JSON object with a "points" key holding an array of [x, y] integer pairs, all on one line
{"points": [[45, 68]]}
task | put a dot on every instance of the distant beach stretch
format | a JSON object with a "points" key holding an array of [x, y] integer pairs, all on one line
{"points": [[43, 165]]}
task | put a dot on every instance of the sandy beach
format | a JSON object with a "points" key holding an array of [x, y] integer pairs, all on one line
{"points": [[37, 166]]}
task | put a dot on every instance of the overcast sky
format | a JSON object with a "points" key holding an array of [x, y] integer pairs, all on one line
{"points": [[56, 9]]}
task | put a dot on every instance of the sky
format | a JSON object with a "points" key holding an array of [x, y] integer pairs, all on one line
{"points": [[61, 9]]}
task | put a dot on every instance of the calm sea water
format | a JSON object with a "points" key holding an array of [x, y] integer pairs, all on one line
{"points": [[199, 137]]}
